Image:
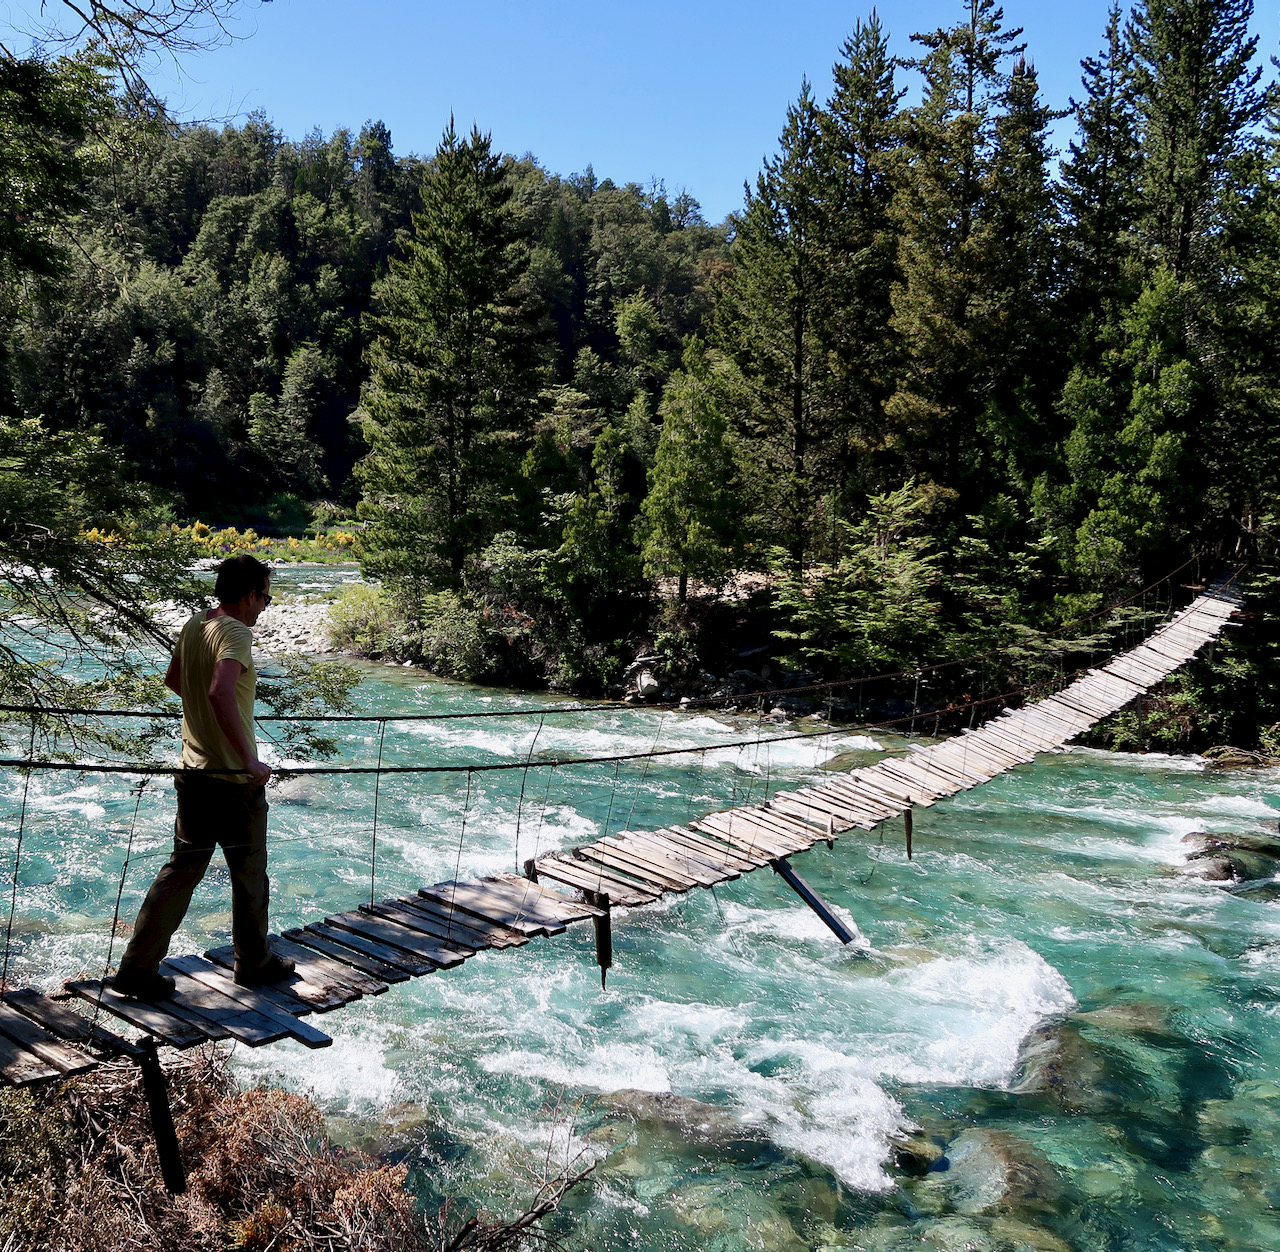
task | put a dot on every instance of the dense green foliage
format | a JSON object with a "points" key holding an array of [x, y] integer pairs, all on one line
{"points": [[943, 388]]}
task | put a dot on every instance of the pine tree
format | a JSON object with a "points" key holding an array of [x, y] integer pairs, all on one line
{"points": [[766, 319], [971, 206], [1164, 450], [860, 138], [689, 518], [1197, 98], [453, 376], [1100, 189]]}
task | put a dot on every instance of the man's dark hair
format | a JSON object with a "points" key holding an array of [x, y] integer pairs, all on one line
{"points": [[239, 576]]}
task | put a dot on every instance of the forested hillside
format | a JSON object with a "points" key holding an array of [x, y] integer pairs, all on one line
{"points": [[940, 384]]}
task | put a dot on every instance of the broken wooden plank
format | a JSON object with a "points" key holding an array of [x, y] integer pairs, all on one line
{"points": [[63, 1021], [40, 1042]]}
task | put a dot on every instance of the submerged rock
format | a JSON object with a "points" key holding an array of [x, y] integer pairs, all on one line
{"points": [[1263, 890], [693, 1121], [996, 1171], [727, 1219], [1058, 1060], [915, 1152]]}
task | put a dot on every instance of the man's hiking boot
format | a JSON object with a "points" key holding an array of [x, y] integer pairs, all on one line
{"points": [[273, 969], [138, 985]]}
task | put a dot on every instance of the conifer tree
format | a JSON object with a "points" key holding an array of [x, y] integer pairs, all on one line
{"points": [[689, 518], [1197, 97], [1100, 188], [453, 375], [977, 138], [766, 321], [860, 138]]}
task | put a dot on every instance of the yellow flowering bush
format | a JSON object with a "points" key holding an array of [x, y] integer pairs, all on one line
{"points": [[206, 541]]}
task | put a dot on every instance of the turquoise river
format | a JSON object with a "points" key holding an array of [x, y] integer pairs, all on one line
{"points": [[1086, 1041]]}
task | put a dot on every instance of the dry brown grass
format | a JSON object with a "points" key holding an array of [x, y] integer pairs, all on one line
{"points": [[78, 1173]]}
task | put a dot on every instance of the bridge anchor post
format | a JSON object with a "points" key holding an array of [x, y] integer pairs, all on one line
{"points": [[813, 900], [604, 932], [906, 822], [157, 1093]]}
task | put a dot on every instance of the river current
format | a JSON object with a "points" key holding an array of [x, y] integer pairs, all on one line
{"points": [[1087, 1040]]}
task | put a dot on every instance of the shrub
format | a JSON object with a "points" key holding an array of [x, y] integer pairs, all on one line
{"points": [[361, 621]]}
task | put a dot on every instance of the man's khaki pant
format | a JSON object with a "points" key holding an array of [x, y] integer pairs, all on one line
{"points": [[211, 811]]}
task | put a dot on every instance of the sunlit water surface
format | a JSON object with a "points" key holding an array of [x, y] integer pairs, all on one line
{"points": [[742, 1073]]}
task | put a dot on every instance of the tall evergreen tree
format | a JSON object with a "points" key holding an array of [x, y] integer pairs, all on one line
{"points": [[1197, 96], [1099, 188], [453, 374], [766, 320], [860, 139], [971, 208], [690, 516]]}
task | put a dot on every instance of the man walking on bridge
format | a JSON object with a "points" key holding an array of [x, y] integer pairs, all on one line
{"points": [[222, 794]]}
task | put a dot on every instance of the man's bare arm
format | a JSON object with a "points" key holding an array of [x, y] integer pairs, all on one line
{"points": [[226, 711], [173, 675]]}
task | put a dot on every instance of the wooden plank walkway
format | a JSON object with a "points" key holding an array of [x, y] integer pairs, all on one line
{"points": [[347, 956]]}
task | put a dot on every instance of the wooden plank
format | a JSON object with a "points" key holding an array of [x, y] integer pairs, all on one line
{"points": [[424, 924], [715, 847], [450, 925], [936, 761], [495, 903], [935, 786], [687, 862], [20, 1068], [638, 843], [569, 909], [494, 933], [63, 1021], [738, 828], [39, 1042], [313, 969], [803, 831], [970, 753], [876, 803], [592, 878], [961, 763], [752, 840], [822, 798], [341, 955], [689, 844], [816, 808], [1017, 751], [521, 899], [610, 858], [401, 937], [175, 1031], [388, 955], [232, 1018], [875, 781], [295, 993], [252, 1000]]}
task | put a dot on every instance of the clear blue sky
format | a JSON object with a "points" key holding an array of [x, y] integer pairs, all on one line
{"points": [[690, 92]]}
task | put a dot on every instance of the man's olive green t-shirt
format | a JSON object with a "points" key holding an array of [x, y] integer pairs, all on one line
{"points": [[204, 642]]}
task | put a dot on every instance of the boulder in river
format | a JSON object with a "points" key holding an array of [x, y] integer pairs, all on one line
{"points": [[996, 1171], [1234, 857], [692, 1121]]}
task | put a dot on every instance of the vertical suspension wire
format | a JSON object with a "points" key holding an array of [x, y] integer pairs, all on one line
{"points": [[457, 860], [524, 778], [17, 861], [377, 788], [124, 873], [644, 774]]}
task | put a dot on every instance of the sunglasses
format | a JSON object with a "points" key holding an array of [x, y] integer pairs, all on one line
{"points": [[266, 598]]}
